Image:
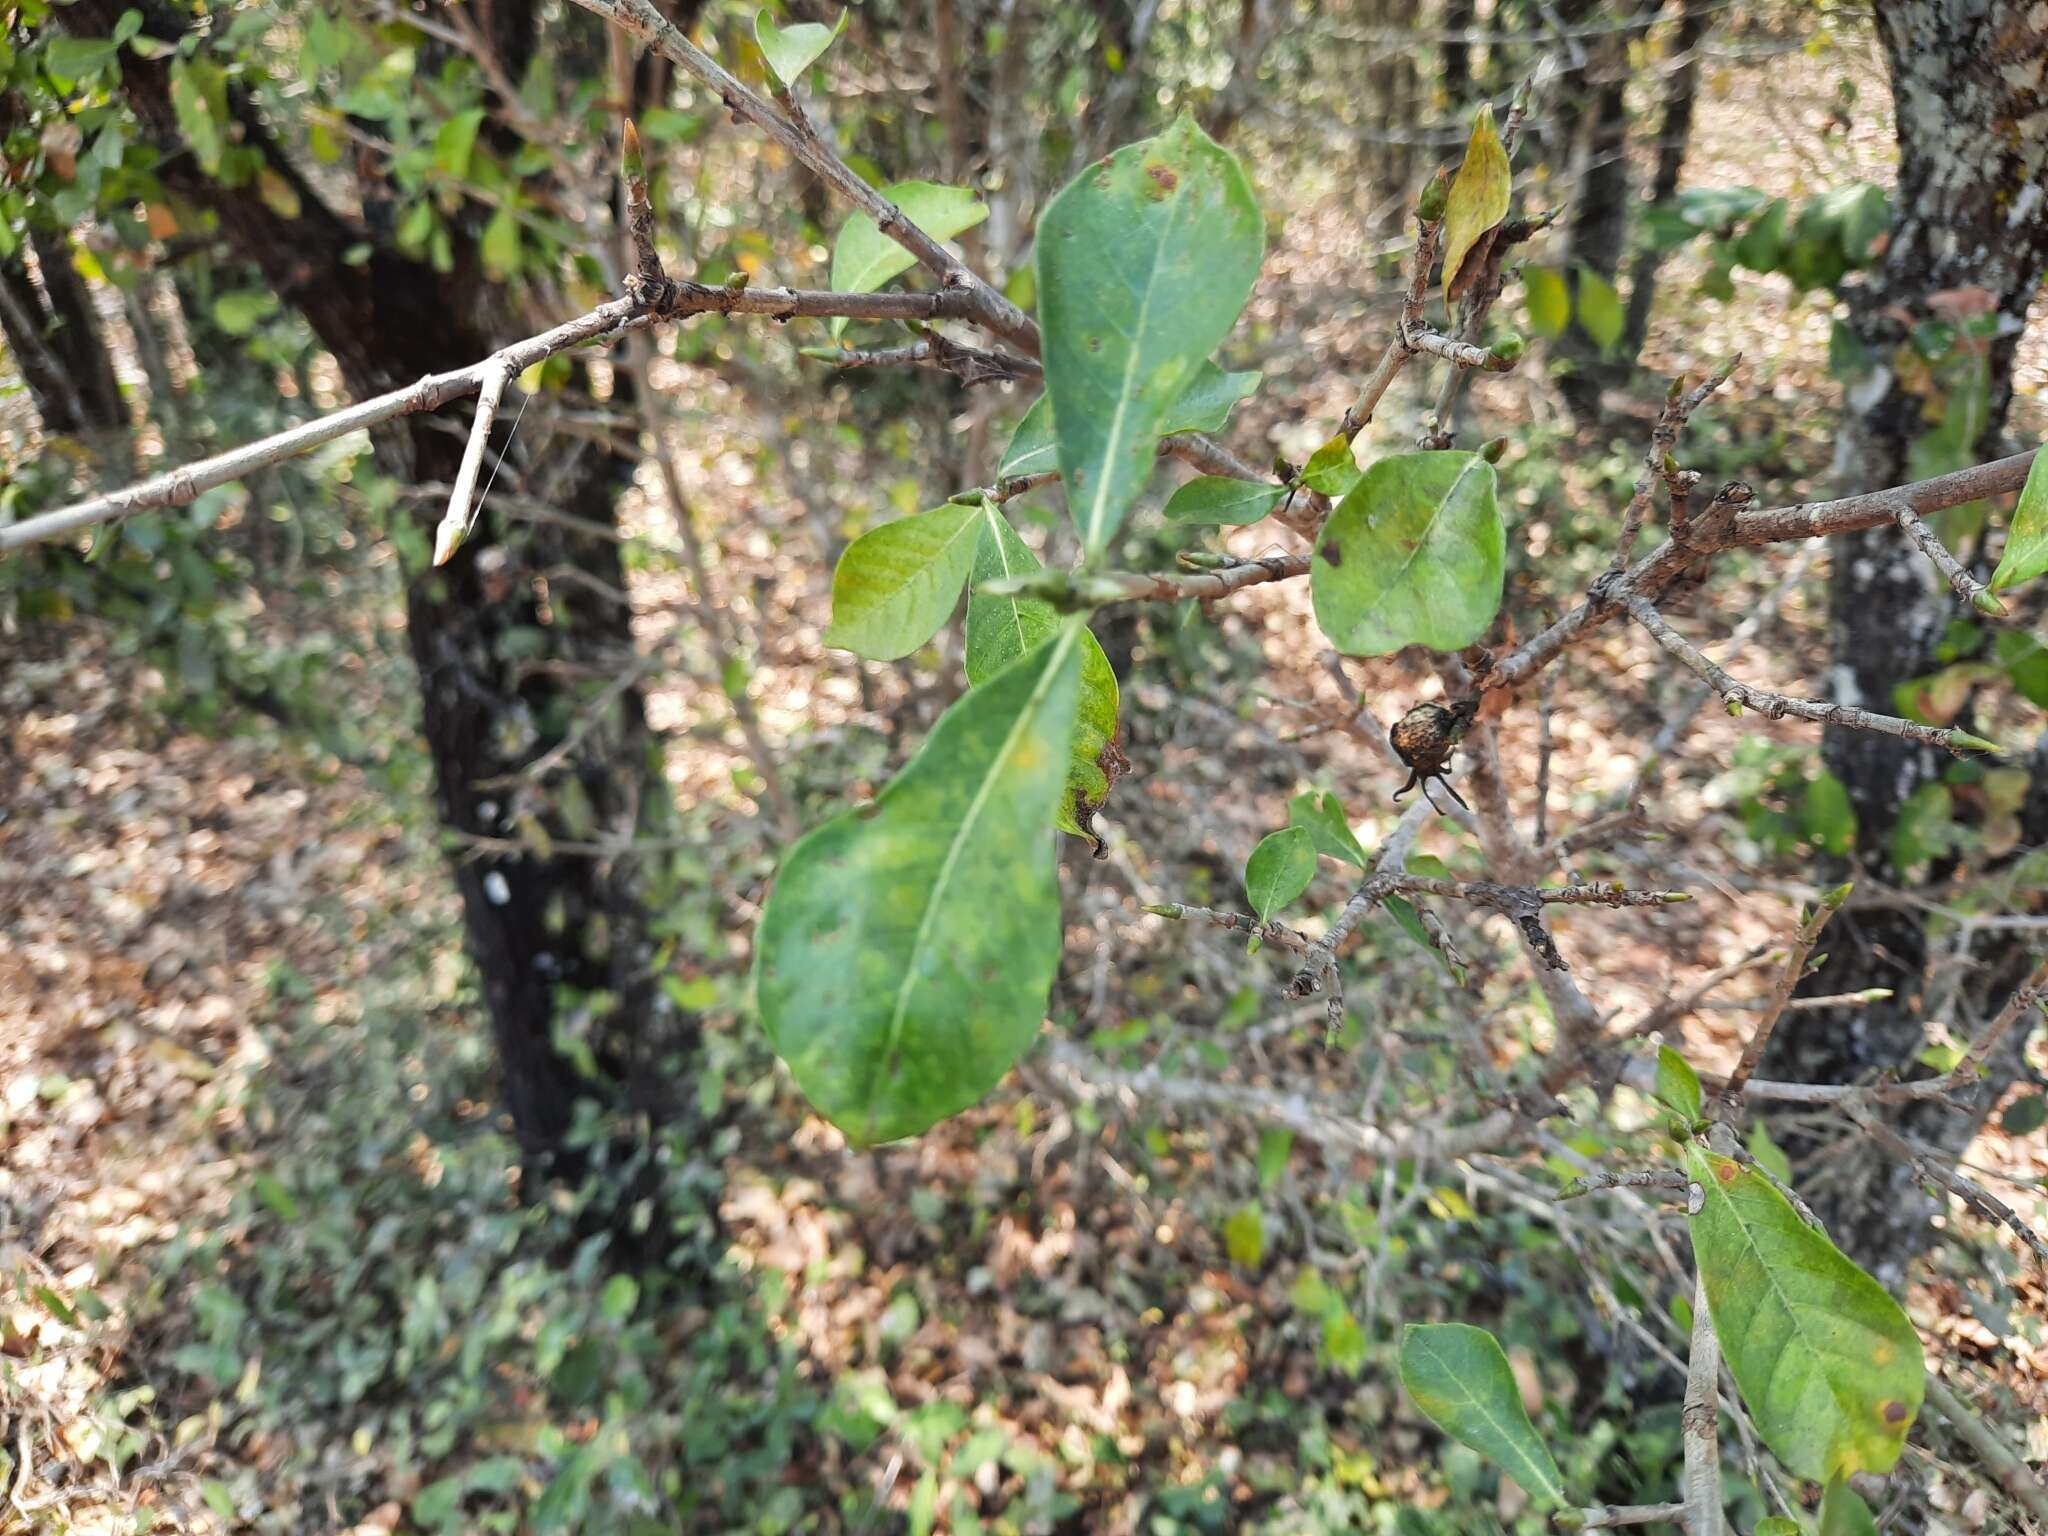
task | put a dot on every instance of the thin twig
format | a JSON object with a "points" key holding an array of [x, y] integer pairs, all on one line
{"points": [[985, 306], [1642, 1178], [2000, 1460], [1964, 1188], [1679, 405], [1778, 705], [1082, 1076], [1700, 1422], [1968, 587], [455, 521], [1749, 529], [1278, 934], [972, 365], [1730, 1097], [2023, 1000], [1606, 1516]]}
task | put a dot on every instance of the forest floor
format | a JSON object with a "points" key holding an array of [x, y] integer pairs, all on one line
{"points": [[190, 919]]}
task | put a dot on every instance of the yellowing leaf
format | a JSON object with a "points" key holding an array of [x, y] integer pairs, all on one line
{"points": [[278, 195], [1828, 1364], [1478, 202]]}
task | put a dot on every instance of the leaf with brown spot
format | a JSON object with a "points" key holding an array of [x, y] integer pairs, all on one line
{"points": [[1829, 1365]]}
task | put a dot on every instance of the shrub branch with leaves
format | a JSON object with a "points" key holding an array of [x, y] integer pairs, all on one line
{"points": [[905, 958]]}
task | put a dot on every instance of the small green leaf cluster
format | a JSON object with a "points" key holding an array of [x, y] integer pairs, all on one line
{"points": [[1829, 1366], [906, 954], [1833, 233]]}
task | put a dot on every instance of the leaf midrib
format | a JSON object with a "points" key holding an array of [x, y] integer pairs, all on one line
{"points": [[1097, 514], [1401, 572], [953, 850], [997, 527], [1550, 1486], [1785, 1301]]}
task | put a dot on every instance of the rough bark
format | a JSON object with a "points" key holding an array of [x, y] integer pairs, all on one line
{"points": [[561, 942], [1970, 79]]}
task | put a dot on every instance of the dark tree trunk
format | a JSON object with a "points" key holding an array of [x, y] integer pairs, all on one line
{"points": [[1391, 89], [1970, 79], [55, 337], [1600, 206], [1459, 16], [1674, 140], [562, 942]]}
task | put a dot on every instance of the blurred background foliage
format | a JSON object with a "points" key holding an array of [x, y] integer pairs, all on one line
{"points": [[344, 1229]]}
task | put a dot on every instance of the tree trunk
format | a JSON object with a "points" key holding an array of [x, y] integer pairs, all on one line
{"points": [[1970, 78], [55, 337], [561, 941], [1601, 203], [1674, 140], [1459, 16]]}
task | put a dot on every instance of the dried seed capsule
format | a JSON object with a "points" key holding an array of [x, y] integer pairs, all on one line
{"points": [[1425, 738]]}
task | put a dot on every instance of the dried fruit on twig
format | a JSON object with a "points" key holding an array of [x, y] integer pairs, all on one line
{"points": [[1424, 740]]}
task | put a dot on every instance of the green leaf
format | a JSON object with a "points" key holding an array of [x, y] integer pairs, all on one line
{"points": [[1826, 814], [1144, 262], [1843, 1512], [1203, 407], [905, 955], [239, 313], [199, 100], [2026, 541], [792, 50], [278, 195], [1405, 917], [73, 59], [1459, 1377], [1926, 827], [1678, 1086], [1414, 555], [1322, 817], [1478, 202], [1344, 1340], [272, 1192], [1331, 469], [1032, 450], [863, 258], [1206, 404], [1279, 870], [500, 245], [1777, 1525], [1548, 300], [1244, 1236], [1763, 243], [2025, 1116], [1827, 1362], [1222, 499], [621, 1294], [1276, 1145], [1000, 629], [1600, 313], [1769, 1155], [219, 1499], [2025, 660], [896, 585], [455, 140]]}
